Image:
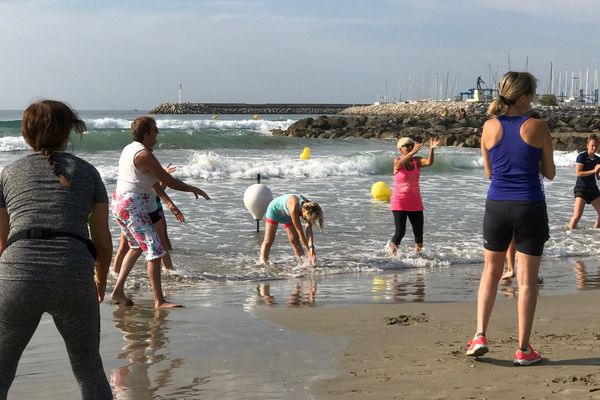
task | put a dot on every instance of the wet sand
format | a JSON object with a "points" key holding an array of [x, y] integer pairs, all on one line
{"points": [[416, 351], [328, 337]]}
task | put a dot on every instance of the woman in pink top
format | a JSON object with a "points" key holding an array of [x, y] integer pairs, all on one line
{"points": [[406, 197]]}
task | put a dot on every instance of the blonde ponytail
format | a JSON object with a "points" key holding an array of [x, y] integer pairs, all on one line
{"points": [[512, 86]]}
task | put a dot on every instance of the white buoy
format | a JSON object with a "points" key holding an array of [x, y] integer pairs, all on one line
{"points": [[256, 199]]}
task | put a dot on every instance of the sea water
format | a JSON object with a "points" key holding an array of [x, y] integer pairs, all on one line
{"points": [[215, 347], [218, 243]]}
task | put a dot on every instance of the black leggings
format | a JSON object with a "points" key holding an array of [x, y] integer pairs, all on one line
{"points": [[416, 221]]}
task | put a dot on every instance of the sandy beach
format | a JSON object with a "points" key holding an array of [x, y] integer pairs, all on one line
{"points": [[416, 351]]}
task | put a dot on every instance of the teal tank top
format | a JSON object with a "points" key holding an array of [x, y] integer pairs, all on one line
{"points": [[277, 210]]}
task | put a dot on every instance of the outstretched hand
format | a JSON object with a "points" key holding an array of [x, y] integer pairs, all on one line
{"points": [[170, 168], [177, 213], [199, 192], [312, 256], [434, 142], [417, 147]]}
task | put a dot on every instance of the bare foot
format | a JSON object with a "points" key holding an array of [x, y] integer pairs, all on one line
{"points": [[508, 275], [392, 249], [168, 305], [262, 263]]}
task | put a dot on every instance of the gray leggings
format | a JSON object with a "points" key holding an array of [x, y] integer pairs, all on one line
{"points": [[76, 313]]}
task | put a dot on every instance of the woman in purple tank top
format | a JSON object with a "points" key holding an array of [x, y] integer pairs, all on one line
{"points": [[516, 149]]}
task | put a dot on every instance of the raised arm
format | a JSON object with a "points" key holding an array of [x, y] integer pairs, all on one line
{"points": [[426, 162], [103, 242], [547, 167], [146, 162], [402, 159]]}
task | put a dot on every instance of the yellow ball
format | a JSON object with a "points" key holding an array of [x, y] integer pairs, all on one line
{"points": [[305, 155], [381, 191]]}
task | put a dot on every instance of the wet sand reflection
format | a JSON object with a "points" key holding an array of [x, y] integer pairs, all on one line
{"points": [[149, 367]]}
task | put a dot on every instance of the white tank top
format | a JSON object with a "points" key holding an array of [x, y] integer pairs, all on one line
{"points": [[130, 178]]}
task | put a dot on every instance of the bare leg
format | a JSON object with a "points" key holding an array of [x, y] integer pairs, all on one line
{"points": [[577, 212], [510, 260], [596, 205], [120, 254], [161, 231], [154, 276], [295, 241], [488, 287], [527, 274], [265, 248], [118, 293], [418, 247]]}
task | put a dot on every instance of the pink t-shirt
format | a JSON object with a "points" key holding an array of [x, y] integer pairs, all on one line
{"points": [[407, 193]]}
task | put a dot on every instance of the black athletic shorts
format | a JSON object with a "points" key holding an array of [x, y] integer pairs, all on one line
{"points": [[527, 220], [588, 194], [155, 216]]}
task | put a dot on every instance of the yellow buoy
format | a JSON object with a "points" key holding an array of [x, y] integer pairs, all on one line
{"points": [[256, 116], [305, 155], [381, 191], [215, 116]]}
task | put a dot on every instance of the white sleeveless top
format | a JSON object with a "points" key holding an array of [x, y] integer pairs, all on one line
{"points": [[130, 178]]}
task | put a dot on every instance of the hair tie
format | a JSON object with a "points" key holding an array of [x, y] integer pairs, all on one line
{"points": [[504, 100]]}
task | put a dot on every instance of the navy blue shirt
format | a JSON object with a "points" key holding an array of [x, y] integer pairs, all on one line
{"points": [[515, 165], [589, 163]]}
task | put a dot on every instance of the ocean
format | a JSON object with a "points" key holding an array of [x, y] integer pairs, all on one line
{"points": [[215, 252], [218, 243]]}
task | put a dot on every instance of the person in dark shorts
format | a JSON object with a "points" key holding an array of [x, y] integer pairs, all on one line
{"points": [[47, 262], [515, 149], [586, 190]]}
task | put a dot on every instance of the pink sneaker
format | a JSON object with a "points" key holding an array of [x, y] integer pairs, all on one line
{"points": [[527, 358], [477, 346]]}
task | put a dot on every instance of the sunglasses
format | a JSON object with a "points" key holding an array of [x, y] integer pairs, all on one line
{"points": [[409, 146]]}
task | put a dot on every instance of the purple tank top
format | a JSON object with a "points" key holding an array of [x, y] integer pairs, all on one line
{"points": [[515, 165]]}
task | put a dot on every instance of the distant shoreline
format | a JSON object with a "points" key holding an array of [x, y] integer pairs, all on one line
{"points": [[248, 108]]}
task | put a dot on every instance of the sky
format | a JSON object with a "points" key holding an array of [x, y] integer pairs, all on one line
{"points": [[117, 54]]}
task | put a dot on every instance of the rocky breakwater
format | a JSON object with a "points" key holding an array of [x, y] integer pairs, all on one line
{"points": [[244, 108], [455, 123]]}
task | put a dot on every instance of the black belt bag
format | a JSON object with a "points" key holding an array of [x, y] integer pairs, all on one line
{"points": [[41, 233]]}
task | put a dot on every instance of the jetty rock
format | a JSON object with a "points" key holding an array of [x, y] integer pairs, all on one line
{"points": [[454, 123], [245, 108]]}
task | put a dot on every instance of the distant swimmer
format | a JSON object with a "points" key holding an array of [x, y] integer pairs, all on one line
{"points": [[288, 210], [406, 199], [587, 168]]}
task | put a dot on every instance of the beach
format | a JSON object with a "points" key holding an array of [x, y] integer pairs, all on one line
{"points": [[417, 351], [371, 335], [228, 341]]}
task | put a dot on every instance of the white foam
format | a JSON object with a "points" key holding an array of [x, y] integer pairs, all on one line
{"points": [[262, 126], [565, 158], [13, 143], [209, 165], [108, 123]]}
